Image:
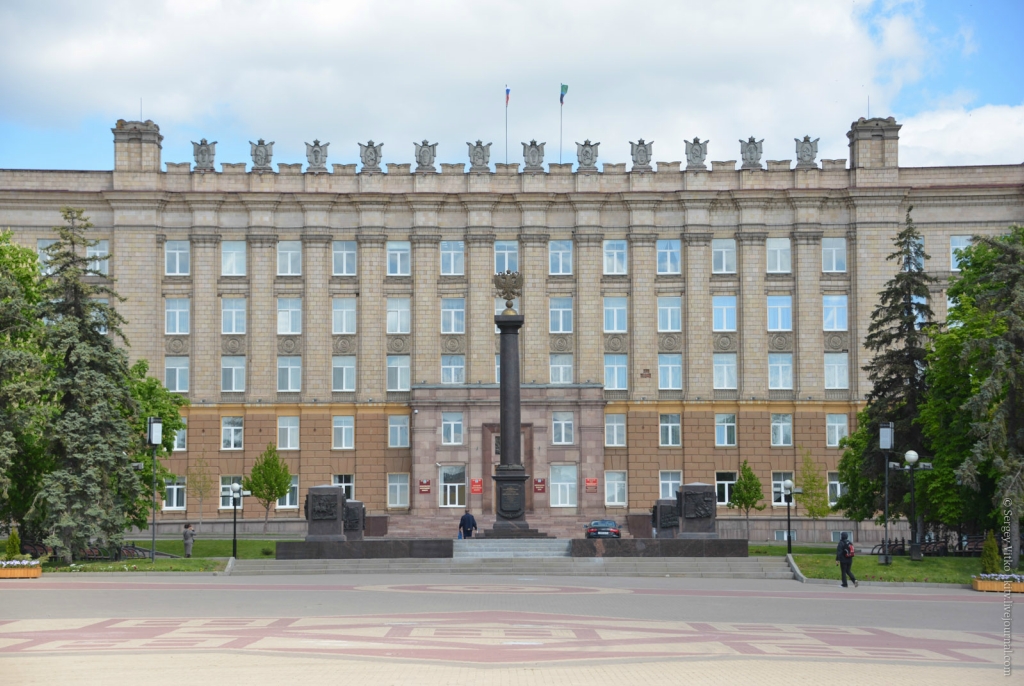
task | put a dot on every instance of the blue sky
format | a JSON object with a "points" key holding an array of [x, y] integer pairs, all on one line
{"points": [[398, 72]]}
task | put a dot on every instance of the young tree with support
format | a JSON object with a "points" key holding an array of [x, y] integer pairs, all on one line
{"points": [[268, 481], [747, 493], [200, 482]]}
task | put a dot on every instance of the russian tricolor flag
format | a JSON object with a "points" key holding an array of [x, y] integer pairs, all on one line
{"points": [[507, 92]]}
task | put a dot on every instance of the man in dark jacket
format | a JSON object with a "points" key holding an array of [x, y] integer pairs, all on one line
{"points": [[467, 524], [844, 557]]}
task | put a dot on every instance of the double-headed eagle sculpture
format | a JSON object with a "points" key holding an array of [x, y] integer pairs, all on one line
{"points": [[510, 287]]}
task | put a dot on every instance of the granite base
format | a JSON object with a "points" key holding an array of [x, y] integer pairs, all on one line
{"points": [[658, 547], [365, 550]]}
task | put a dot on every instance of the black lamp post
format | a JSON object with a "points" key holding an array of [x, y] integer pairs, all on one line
{"points": [[885, 442], [787, 492], [155, 438], [235, 497], [911, 457]]}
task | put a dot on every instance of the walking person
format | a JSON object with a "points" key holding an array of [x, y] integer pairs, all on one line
{"points": [[844, 558], [467, 524], [188, 536]]}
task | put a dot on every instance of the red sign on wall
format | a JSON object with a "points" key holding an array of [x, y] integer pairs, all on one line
{"points": [[424, 485], [591, 485], [476, 486], [538, 485]]}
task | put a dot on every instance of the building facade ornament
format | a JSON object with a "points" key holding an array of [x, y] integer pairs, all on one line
{"points": [[806, 152], [670, 343], [642, 154], [316, 156], [696, 153], [533, 156], [289, 345], [370, 156], [479, 156], [726, 342], [586, 155], [837, 341], [344, 345], [204, 153], [261, 153], [510, 286], [232, 345], [177, 345], [562, 343], [780, 342], [453, 344], [750, 153], [398, 344], [616, 342], [425, 153]]}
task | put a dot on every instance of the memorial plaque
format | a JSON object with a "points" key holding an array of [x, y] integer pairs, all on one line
{"points": [[698, 504], [323, 507], [325, 513]]}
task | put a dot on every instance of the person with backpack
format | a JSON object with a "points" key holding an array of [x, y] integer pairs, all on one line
{"points": [[844, 558]]}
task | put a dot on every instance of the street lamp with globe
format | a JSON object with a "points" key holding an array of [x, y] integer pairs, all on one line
{"points": [[787, 492], [236, 499]]}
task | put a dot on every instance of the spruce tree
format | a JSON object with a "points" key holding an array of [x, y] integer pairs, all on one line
{"points": [[747, 493]]}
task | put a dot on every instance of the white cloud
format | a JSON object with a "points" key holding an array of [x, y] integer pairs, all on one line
{"points": [[991, 134]]}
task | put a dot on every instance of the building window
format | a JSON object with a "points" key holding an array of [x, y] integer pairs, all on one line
{"points": [[231, 433], [232, 258], [506, 256], [725, 430], [174, 493], [232, 315], [398, 490], [344, 437], [723, 256], [343, 320], [670, 314], [563, 485], [917, 304], [615, 372], [780, 313], [344, 258], [176, 374], [668, 257], [176, 318], [725, 371], [838, 535], [833, 254], [724, 482], [780, 534], [560, 257], [181, 437], [288, 433], [289, 374], [615, 315], [561, 369], [615, 430], [615, 257], [98, 255], [835, 489], [615, 489], [289, 315], [453, 369], [453, 486], [44, 257], [670, 372], [398, 431], [560, 315], [451, 428], [780, 371], [833, 309], [497, 368], [398, 372], [836, 429], [915, 263], [399, 320], [343, 373], [453, 258], [723, 313], [399, 258], [176, 258], [561, 428], [670, 434], [290, 499], [499, 307], [782, 430], [836, 371], [670, 483], [956, 243], [453, 315], [225, 492], [100, 317], [347, 483], [232, 373], [778, 478], [779, 256], [289, 258]]}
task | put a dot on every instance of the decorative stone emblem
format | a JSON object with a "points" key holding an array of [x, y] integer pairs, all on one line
{"points": [[453, 344], [261, 155], [561, 344], [670, 343], [232, 345], [398, 344], [204, 153], [425, 153], [806, 151], [698, 504], [288, 345], [479, 156], [344, 345], [725, 342], [642, 153], [668, 518], [323, 506], [316, 156], [750, 152], [696, 153], [370, 156], [510, 287], [177, 345], [586, 155], [533, 155], [615, 343], [836, 340], [780, 342]]}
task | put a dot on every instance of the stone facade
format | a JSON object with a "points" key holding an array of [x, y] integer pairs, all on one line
{"points": [[402, 225]]}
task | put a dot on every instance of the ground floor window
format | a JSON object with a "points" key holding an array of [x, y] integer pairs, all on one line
{"points": [[225, 491], [835, 488], [837, 535], [174, 497], [347, 483], [778, 478], [398, 490], [563, 485], [780, 535], [670, 483], [835, 429], [453, 486], [724, 482], [615, 489], [291, 498]]}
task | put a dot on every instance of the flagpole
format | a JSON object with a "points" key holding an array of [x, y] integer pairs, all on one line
{"points": [[506, 124], [560, 108]]}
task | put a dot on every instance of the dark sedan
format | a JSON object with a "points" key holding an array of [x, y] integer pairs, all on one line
{"points": [[603, 528]]}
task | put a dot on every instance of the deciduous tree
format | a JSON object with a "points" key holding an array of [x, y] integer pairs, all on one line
{"points": [[200, 483], [815, 488], [747, 493], [268, 481]]}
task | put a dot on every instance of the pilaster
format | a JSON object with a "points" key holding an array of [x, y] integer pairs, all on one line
{"points": [[205, 325], [371, 362], [316, 363], [807, 321], [480, 305], [643, 311], [753, 321], [426, 306], [262, 360], [534, 303], [697, 313]]}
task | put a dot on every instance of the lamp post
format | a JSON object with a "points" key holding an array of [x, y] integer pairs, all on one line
{"points": [[235, 497], [915, 545], [155, 438], [885, 440], [787, 491]]}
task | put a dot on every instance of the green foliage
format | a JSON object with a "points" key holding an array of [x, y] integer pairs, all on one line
{"points": [[201, 483], [747, 493], [991, 563], [814, 498], [13, 547], [936, 570], [268, 481]]}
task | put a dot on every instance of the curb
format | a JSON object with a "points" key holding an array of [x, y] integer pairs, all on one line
{"points": [[796, 570], [230, 566], [908, 584]]}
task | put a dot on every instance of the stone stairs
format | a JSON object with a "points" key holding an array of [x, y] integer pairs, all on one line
{"points": [[446, 524], [504, 548]]}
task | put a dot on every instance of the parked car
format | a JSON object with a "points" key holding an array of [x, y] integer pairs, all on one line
{"points": [[603, 528]]}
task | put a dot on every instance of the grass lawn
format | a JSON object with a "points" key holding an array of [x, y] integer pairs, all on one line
{"points": [[161, 565], [247, 549], [948, 570], [762, 549]]}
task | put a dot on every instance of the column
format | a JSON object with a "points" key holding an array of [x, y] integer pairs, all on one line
{"points": [[643, 313], [205, 325], [589, 325], [316, 362], [262, 319], [426, 306], [697, 350], [534, 302], [753, 320], [480, 305], [371, 369], [807, 324]]}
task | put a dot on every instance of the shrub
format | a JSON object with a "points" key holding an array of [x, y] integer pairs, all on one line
{"points": [[990, 560], [13, 545], [267, 551]]}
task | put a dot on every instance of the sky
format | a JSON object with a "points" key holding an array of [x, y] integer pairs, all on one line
{"points": [[345, 71]]}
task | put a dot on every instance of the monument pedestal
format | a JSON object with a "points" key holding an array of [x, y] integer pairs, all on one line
{"points": [[325, 514], [697, 505]]}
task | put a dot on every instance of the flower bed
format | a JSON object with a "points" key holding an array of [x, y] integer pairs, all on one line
{"points": [[20, 569], [998, 582]]}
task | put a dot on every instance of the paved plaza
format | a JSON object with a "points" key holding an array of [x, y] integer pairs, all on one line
{"points": [[441, 629]]}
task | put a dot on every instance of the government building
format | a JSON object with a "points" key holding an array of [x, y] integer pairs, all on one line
{"points": [[681, 317]]}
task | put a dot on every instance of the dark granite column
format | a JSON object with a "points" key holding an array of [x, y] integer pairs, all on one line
{"points": [[511, 476]]}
